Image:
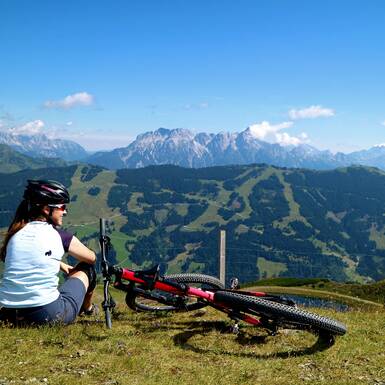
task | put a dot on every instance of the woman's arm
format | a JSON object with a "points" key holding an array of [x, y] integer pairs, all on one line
{"points": [[81, 252]]}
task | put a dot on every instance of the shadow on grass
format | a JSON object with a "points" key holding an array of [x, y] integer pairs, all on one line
{"points": [[323, 342], [195, 328]]}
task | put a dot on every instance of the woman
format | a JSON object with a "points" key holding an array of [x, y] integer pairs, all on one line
{"points": [[32, 251]]}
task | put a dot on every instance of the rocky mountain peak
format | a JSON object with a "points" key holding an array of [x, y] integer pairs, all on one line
{"points": [[40, 145], [184, 148]]}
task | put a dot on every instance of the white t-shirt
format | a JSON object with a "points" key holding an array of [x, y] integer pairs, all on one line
{"points": [[32, 265]]}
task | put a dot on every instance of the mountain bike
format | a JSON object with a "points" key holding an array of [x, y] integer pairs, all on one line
{"points": [[147, 290]]}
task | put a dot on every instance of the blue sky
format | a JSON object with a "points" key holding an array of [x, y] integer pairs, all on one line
{"points": [[102, 72]]}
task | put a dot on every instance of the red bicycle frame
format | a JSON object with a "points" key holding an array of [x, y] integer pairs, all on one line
{"points": [[158, 283]]}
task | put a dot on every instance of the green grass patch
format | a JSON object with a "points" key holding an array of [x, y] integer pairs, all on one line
{"points": [[372, 292], [175, 265], [191, 348], [269, 268], [241, 229], [90, 208], [377, 236], [294, 207], [245, 189], [196, 267], [288, 281], [323, 287], [133, 204]]}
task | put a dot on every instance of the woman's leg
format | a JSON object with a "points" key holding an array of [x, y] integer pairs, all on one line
{"points": [[87, 302], [87, 274], [72, 294]]}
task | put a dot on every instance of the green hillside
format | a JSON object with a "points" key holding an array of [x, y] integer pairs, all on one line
{"points": [[12, 161], [278, 222], [192, 349]]}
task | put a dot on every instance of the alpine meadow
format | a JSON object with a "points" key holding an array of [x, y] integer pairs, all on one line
{"points": [[279, 222]]}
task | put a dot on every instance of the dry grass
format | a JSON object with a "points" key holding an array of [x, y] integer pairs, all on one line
{"points": [[193, 348]]}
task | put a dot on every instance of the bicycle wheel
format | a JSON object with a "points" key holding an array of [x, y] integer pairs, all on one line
{"points": [[279, 314], [140, 299]]}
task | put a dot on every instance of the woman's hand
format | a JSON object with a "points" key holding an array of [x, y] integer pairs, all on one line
{"points": [[66, 269]]}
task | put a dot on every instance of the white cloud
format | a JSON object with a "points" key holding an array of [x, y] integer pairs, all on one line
{"points": [[264, 129], [69, 123], [70, 101], [311, 112], [284, 139], [383, 123], [30, 128]]}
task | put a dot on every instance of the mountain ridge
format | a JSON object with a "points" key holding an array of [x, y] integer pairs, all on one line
{"points": [[13, 161], [184, 148], [41, 146]]}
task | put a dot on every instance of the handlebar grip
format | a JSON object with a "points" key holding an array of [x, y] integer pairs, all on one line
{"points": [[102, 227]]}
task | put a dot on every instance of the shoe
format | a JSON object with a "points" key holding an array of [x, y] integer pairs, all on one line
{"points": [[94, 310]]}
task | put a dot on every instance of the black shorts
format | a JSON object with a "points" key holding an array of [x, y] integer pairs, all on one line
{"points": [[63, 310]]}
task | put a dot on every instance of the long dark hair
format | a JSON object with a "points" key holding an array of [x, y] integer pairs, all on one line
{"points": [[24, 214]]}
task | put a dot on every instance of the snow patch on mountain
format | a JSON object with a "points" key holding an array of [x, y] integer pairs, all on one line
{"points": [[185, 148]]}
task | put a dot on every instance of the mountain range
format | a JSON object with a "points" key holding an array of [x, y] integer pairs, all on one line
{"points": [[184, 148], [41, 146], [12, 161]]}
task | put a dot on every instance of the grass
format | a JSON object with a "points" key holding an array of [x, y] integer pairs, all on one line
{"points": [[270, 268], [89, 210], [211, 213], [246, 188], [352, 302], [377, 236], [294, 208], [287, 281], [192, 348], [374, 292]]}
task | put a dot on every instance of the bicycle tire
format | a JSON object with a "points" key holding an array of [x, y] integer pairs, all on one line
{"points": [[281, 314], [146, 301], [204, 279]]}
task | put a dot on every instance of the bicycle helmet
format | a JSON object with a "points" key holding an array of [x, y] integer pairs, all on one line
{"points": [[46, 192]]}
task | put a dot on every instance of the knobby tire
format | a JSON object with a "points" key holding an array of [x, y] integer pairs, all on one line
{"points": [[136, 297], [281, 314]]}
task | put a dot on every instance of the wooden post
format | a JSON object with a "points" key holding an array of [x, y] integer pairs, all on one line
{"points": [[222, 256]]}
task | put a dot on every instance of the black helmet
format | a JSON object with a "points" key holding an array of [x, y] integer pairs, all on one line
{"points": [[46, 192]]}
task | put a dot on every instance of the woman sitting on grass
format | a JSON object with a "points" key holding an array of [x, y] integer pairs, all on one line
{"points": [[32, 251]]}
